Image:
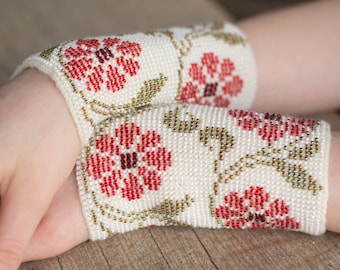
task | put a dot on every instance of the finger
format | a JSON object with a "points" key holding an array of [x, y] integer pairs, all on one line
{"points": [[62, 227], [22, 207]]}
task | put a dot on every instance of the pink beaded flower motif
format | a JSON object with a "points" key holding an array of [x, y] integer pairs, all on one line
{"points": [[128, 161], [255, 210], [272, 126], [211, 82], [102, 64]]}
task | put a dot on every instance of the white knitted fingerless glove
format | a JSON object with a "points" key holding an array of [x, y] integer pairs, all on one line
{"points": [[205, 167], [101, 76]]}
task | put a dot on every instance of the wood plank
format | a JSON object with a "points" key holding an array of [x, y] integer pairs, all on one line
{"points": [[181, 248], [133, 250], [270, 249], [48, 264], [86, 256]]}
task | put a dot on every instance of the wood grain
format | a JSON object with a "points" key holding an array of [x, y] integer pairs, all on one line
{"points": [[187, 248]]}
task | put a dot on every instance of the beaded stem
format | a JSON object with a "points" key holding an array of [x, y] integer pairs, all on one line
{"points": [[109, 75], [204, 167]]}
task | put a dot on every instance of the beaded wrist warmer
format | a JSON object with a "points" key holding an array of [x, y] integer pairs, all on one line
{"points": [[210, 65], [204, 167]]}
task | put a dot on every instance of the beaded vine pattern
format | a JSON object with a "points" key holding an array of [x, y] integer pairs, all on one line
{"points": [[125, 162], [108, 64], [211, 80], [130, 161], [258, 211]]}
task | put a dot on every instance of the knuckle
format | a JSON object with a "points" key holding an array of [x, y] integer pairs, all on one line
{"points": [[11, 252]]}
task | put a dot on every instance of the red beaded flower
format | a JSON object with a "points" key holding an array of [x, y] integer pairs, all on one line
{"points": [[102, 63], [129, 161], [272, 126], [254, 210], [212, 82]]}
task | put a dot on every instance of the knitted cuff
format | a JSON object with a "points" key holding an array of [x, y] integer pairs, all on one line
{"points": [[204, 167], [101, 76]]}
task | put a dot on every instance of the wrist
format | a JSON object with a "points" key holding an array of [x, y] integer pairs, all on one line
{"points": [[34, 98]]}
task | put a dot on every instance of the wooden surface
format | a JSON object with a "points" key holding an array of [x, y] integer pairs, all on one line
{"points": [[187, 248], [32, 25]]}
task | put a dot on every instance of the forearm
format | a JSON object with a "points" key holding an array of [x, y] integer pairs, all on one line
{"points": [[297, 56]]}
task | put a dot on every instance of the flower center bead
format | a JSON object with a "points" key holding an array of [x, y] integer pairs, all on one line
{"points": [[257, 217], [104, 54], [128, 160], [273, 117], [210, 89]]}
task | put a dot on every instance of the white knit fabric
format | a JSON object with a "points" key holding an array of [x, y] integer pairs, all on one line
{"points": [[101, 76], [204, 167]]}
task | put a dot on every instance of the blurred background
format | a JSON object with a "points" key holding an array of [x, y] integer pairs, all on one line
{"points": [[28, 26], [245, 8]]}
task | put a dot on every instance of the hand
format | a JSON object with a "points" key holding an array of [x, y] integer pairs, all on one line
{"points": [[39, 146], [62, 227]]}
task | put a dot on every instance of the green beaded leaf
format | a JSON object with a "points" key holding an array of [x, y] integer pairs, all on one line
{"points": [[148, 91], [217, 32], [293, 173], [305, 152], [167, 33], [164, 211], [225, 139], [232, 39], [46, 54], [172, 120], [144, 97], [298, 177], [170, 208]]}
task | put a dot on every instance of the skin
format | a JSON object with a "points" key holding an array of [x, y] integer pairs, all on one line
{"points": [[32, 168], [297, 56], [59, 223], [40, 211]]}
